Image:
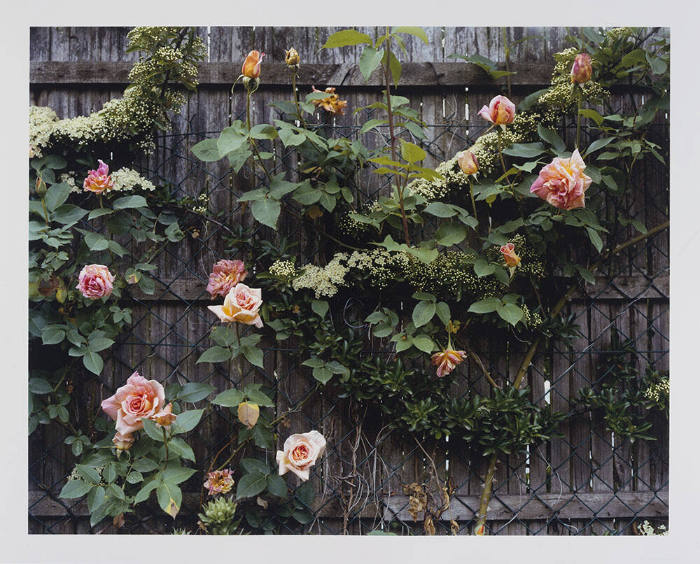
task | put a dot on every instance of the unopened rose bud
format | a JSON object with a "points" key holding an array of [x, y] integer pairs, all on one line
{"points": [[251, 65], [133, 277], [248, 413], [291, 57], [468, 162], [509, 255], [123, 441], [40, 187], [582, 68]]}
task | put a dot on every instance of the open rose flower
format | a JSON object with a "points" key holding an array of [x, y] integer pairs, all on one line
{"points": [[582, 69], [508, 252], [562, 182], [500, 111], [251, 65], [240, 305], [332, 104], [99, 180], [137, 399], [123, 442], [300, 453], [224, 276], [95, 281], [219, 481], [447, 360], [467, 162]]}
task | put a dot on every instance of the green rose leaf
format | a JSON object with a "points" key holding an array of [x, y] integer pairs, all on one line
{"points": [[215, 354], [229, 398], [195, 391], [251, 485]]}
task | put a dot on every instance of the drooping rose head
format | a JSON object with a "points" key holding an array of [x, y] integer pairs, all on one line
{"points": [[300, 453], [447, 360], [251, 65], [123, 442], [509, 255], [582, 69], [95, 281], [562, 182], [332, 103], [240, 305], [137, 399], [500, 111], [467, 162], [224, 276], [99, 180], [219, 481]]}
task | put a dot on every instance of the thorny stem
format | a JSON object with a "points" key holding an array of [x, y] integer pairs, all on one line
{"points": [[488, 483], [296, 98], [471, 194]]}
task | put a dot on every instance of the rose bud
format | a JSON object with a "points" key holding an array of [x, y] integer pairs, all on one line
{"points": [[468, 162], [500, 111], [123, 441], [291, 57], [582, 69], [251, 65], [508, 252]]}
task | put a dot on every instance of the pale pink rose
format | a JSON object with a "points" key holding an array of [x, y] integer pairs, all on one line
{"points": [[500, 111], [509, 255], [582, 68], [95, 281], [138, 399], [123, 442], [225, 275], [300, 453], [219, 481], [562, 182], [447, 360], [240, 305], [99, 180], [468, 162]]}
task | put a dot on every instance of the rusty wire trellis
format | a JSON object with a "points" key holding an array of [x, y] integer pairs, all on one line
{"points": [[174, 347]]}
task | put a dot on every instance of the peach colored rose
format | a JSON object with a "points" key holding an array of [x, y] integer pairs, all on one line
{"points": [[165, 417], [99, 180], [240, 305], [582, 68], [224, 276], [123, 442], [468, 162], [138, 399], [447, 360], [500, 111], [332, 103], [219, 481], [95, 281], [251, 65], [300, 453], [508, 252], [562, 182]]}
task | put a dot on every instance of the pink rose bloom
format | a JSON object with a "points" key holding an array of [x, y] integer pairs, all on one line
{"points": [[509, 255], [300, 453], [95, 281], [123, 442], [224, 276], [582, 68], [500, 111], [99, 180], [562, 182], [138, 399], [241, 305], [447, 360], [219, 481]]}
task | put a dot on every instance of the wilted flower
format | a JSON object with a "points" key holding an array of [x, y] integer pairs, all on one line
{"points": [[447, 360], [500, 111], [123, 441], [562, 182], [468, 162], [99, 180], [95, 281], [251, 65], [165, 417], [300, 453], [582, 69], [508, 252], [224, 276], [219, 481], [241, 305], [332, 103], [291, 57]]}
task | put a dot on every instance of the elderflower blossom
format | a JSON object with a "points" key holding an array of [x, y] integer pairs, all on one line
{"points": [[658, 391], [42, 121], [128, 179], [647, 529], [323, 280], [283, 269]]}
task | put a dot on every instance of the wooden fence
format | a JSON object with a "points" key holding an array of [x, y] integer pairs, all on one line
{"points": [[583, 483]]}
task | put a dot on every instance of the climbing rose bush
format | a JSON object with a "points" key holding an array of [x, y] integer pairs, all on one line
{"points": [[300, 453]]}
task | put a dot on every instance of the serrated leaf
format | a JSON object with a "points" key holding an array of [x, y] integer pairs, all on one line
{"points": [[411, 152], [277, 486], [346, 37], [169, 498], [186, 421], [443, 312], [56, 196], [322, 374], [181, 448], [74, 489], [195, 391], [595, 238], [411, 30], [251, 485], [551, 137], [152, 430], [129, 202], [369, 61], [229, 398], [93, 362], [215, 354], [145, 491], [255, 465]]}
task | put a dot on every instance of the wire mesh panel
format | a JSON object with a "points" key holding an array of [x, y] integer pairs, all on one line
{"points": [[586, 481]]}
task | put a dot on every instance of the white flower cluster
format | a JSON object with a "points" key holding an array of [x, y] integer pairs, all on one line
{"points": [[42, 121], [323, 280], [283, 269], [128, 179], [647, 529]]}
